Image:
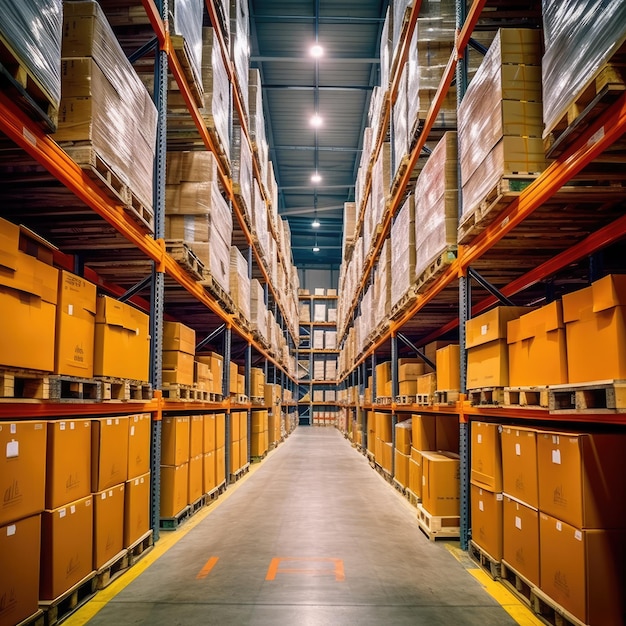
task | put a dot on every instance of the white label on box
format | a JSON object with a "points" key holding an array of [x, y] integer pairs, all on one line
{"points": [[62, 513], [499, 497], [132, 431], [559, 526], [578, 535], [117, 421], [13, 449], [484, 328], [111, 493], [73, 509], [556, 457], [518, 522], [479, 439], [103, 495], [555, 440], [142, 480], [11, 530], [61, 425], [72, 425], [109, 422], [481, 506], [13, 429], [518, 449], [70, 309]]}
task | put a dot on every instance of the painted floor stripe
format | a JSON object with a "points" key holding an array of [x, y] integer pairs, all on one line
{"points": [[209, 565]]}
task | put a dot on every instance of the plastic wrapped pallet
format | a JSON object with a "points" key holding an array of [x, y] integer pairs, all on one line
{"points": [[239, 282], [318, 339], [103, 100], [255, 104], [258, 310], [33, 30], [330, 340], [500, 118], [400, 122], [400, 15], [241, 164], [259, 222], [319, 312], [385, 50], [403, 251], [436, 204], [188, 23], [382, 286], [331, 369], [216, 87], [580, 36], [240, 45], [381, 184], [198, 166]]}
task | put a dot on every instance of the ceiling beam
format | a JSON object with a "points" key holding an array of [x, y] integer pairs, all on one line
{"points": [[296, 19], [277, 87], [320, 148], [311, 188], [299, 59]]}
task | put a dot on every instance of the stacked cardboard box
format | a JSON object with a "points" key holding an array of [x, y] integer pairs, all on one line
{"points": [[448, 368], [403, 251], [240, 282], [215, 363], [241, 163], [382, 286], [238, 440], [240, 46], [137, 487], [260, 219], [409, 370], [258, 310], [179, 347], [259, 438], [174, 465], [402, 452], [195, 485]]}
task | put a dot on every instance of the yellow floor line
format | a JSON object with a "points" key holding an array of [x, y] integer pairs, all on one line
{"points": [[167, 540], [509, 602]]}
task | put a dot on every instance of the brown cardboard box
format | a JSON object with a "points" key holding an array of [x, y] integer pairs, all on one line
{"points": [[241, 384], [178, 337], [386, 457], [22, 469], [519, 464], [583, 570], [257, 382], [9, 244], [235, 456], [520, 543], [235, 431], [68, 461], [108, 524], [258, 443], [220, 430], [430, 349], [109, 452], [273, 426], [410, 369], [196, 478], [196, 435], [487, 520], [243, 425], [447, 431], [20, 544], [209, 433], [423, 435], [122, 340], [272, 395], [75, 326], [259, 421], [220, 465], [202, 376], [208, 472], [174, 481], [486, 468], [537, 353], [403, 437], [580, 477], [427, 383], [66, 547], [595, 326], [28, 298], [448, 362], [415, 473], [178, 367], [234, 373], [139, 434], [136, 509], [383, 427], [401, 473], [216, 364], [383, 376], [440, 483], [175, 440], [243, 452], [407, 387]]}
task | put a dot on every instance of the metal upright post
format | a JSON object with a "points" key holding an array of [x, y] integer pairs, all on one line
{"points": [[157, 287], [226, 394], [248, 376], [362, 386], [394, 395]]}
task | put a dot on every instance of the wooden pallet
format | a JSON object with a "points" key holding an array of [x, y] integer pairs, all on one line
{"points": [[125, 390], [476, 220], [197, 504], [446, 397], [484, 559], [22, 383], [217, 291], [405, 399], [486, 396], [438, 526], [175, 522], [406, 301], [434, 268], [64, 605], [384, 400], [179, 45], [531, 397], [140, 548], [412, 497], [424, 399], [86, 156], [517, 584], [238, 398], [181, 253], [111, 570], [604, 396], [399, 486], [258, 458], [36, 619], [257, 400], [175, 392], [239, 474]]}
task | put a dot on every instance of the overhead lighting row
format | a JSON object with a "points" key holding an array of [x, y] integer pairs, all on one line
{"points": [[316, 121]]}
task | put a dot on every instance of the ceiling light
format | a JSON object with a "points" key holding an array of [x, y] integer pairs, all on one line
{"points": [[316, 249], [316, 178], [316, 121], [316, 223], [316, 51]]}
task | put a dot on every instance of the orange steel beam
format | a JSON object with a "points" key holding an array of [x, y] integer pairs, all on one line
{"points": [[45, 410], [156, 21], [404, 51]]}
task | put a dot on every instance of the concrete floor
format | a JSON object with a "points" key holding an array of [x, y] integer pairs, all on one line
{"points": [[351, 543]]}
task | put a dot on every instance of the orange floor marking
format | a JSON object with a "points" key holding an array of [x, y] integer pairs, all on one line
{"points": [[208, 566], [338, 569]]}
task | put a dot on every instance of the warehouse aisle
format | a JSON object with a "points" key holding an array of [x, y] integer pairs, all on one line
{"points": [[314, 536]]}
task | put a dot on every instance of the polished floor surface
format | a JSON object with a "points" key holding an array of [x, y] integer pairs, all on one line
{"points": [[313, 537]]}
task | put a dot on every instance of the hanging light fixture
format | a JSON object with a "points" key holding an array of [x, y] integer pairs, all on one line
{"points": [[316, 223], [316, 51], [316, 178]]}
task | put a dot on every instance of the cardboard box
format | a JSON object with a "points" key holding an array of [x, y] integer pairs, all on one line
{"points": [[401, 468], [415, 474], [196, 435], [22, 469], [196, 478], [487, 527], [175, 440], [234, 373], [75, 326], [241, 384], [243, 452], [403, 437], [243, 425], [235, 431], [178, 367], [109, 452], [20, 544], [208, 472], [257, 382], [407, 387], [139, 444], [220, 465], [440, 483], [519, 464], [447, 431], [423, 435], [122, 340], [68, 461], [235, 456], [177, 336], [174, 481], [258, 443], [537, 352], [209, 433], [216, 364], [384, 427], [448, 362], [259, 421], [108, 524], [583, 570], [272, 395], [66, 547], [427, 384], [595, 326], [486, 454], [580, 477], [9, 244], [520, 542], [202, 376], [28, 298], [383, 376], [220, 430], [136, 509], [386, 455], [410, 369]]}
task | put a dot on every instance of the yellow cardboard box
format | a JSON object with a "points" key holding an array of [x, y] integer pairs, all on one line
{"points": [[440, 483], [448, 363], [177, 336]]}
